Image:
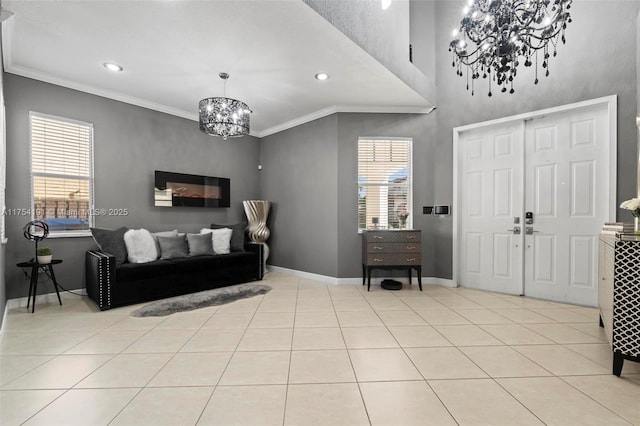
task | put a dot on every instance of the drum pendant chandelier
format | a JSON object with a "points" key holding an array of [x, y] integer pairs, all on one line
{"points": [[224, 117], [496, 36]]}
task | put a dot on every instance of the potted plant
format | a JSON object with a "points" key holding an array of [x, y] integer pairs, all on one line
{"points": [[44, 255], [402, 217]]}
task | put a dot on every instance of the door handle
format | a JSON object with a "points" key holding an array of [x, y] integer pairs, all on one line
{"points": [[529, 230], [515, 230]]}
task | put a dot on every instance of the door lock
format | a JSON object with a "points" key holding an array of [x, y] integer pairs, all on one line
{"points": [[515, 230], [528, 218], [529, 230]]}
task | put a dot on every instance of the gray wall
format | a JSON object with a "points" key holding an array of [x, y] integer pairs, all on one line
{"points": [[300, 178], [384, 34], [129, 143], [599, 59], [310, 175], [419, 127], [3, 292], [422, 36]]}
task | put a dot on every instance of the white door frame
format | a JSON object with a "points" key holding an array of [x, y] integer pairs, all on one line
{"points": [[612, 108]]}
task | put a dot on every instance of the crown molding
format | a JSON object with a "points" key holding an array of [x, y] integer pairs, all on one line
{"points": [[25, 72], [344, 108]]}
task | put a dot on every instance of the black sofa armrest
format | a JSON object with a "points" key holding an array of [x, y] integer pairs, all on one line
{"points": [[100, 273], [259, 249]]}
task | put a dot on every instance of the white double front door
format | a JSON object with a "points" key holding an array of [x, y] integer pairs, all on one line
{"points": [[533, 194]]}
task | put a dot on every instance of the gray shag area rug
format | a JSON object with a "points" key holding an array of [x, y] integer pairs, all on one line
{"points": [[202, 299]]}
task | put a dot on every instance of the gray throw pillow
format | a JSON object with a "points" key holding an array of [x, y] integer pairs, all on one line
{"points": [[237, 236], [172, 247], [111, 241], [199, 244], [155, 236]]}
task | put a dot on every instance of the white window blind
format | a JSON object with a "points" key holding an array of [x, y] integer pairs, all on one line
{"points": [[384, 183], [62, 173]]}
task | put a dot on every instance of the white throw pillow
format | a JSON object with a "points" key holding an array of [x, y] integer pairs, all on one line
{"points": [[141, 246], [221, 239]]}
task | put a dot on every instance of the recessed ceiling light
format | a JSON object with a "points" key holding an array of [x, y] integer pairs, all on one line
{"points": [[112, 67], [386, 4], [322, 76]]}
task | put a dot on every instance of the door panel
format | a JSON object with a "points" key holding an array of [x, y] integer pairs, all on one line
{"points": [[582, 260], [491, 255], [582, 188], [543, 257], [567, 181], [545, 190], [502, 261], [473, 253]]}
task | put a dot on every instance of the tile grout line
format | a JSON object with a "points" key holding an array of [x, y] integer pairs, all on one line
{"points": [[355, 376], [593, 399], [293, 330]]}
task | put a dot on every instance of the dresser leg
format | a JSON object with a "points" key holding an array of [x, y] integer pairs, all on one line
{"points": [[618, 361], [368, 279], [419, 271], [601, 323], [364, 273]]}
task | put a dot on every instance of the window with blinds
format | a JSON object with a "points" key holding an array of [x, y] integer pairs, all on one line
{"points": [[385, 183], [62, 173]]}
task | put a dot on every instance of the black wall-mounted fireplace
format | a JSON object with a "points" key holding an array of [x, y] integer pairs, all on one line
{"points": [[183, 190]]}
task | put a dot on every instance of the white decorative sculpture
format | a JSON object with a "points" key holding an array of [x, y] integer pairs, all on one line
{"points": [[257, 212]]}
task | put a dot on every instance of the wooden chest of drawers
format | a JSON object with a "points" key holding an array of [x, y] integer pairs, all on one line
{"points": [[397, 249]]}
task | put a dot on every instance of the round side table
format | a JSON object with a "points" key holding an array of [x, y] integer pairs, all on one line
{"points": [[33, 284]]}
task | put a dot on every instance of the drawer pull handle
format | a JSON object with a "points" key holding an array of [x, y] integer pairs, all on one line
{"points": [[377, 248], [377, 260], [411, 237], [413, 259], [410, 247], [378, 237]]}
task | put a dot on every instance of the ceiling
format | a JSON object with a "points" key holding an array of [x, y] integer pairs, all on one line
{"points": [[172, 52]]}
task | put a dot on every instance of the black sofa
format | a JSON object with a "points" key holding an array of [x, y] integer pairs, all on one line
{"points": [[111, 285]]}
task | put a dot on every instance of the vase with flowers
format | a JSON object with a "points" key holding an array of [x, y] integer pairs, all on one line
{"points": [[402, 218], [633, 205]]}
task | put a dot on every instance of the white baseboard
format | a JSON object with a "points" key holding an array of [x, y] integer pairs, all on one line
{"points": [[302, 274], [351, 281], [4, 321], [21, 302], [446, 282]]}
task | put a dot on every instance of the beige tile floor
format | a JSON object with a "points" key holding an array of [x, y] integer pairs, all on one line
{"points": [[311, 353]]}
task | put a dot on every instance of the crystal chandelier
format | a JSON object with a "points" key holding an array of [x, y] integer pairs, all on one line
{"points": [[495, 36], [224, 117]]}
